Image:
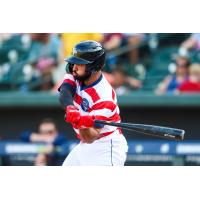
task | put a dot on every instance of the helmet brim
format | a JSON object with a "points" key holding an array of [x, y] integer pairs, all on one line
{"points": [[76, 60]]}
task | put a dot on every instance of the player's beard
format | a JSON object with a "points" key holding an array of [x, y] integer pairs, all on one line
{"points": [[84, 77]]}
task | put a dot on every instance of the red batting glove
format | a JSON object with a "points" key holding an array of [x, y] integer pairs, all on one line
{"points": [[72, 115], [84, 122]]}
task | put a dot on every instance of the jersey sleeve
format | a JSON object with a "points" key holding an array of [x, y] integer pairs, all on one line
{"points": [[67, 90], [70, 81]]}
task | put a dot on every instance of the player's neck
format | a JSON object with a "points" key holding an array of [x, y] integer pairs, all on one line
{"points": [[92, 78]]}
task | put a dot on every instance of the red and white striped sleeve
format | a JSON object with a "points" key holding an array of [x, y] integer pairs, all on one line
{"points": [[68, 78]]}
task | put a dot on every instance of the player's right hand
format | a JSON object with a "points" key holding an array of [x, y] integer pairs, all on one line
{"points": [[72, 115]]}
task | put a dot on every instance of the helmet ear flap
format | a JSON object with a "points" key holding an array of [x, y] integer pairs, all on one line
{"points": [[69, 67], [98, 64]]}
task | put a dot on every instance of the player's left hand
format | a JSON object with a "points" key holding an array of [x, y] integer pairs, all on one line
{"points": [[74, 117]]}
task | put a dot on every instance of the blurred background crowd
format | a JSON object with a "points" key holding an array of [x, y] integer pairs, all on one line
{"points": [[161, 63], [155, 75]]}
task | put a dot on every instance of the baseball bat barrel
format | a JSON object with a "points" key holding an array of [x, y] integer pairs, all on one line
{"points": [[159, 131]]}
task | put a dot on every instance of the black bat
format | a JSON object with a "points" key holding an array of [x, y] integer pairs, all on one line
{"points": [[159, 131]]}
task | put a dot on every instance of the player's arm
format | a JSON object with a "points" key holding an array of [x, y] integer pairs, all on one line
{"points": [[89, 135], [67, 91], [89, 131], [162, 87], [66, 95]]}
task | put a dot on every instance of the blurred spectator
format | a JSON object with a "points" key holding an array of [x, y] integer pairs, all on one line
{"points": [[193, 42], [48, 134], [121, 82], [192, 85], [43, 57], [111, 42], [192, 46], [172, 82], [4, 37], [44, 45], [134, 39], [135, 68]]}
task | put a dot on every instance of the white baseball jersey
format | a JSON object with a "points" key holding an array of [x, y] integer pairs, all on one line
{"points": [[98, 99]]}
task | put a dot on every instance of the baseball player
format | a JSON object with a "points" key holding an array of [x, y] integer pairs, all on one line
{"points": [[86, 95]]}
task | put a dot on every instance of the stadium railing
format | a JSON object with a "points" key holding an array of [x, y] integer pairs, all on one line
{"points": [[140, 98]]}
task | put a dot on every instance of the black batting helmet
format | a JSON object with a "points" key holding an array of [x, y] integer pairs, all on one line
{"points": [[88, 52]]}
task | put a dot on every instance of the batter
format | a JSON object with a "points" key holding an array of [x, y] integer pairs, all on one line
{"points": [[86, 95]]}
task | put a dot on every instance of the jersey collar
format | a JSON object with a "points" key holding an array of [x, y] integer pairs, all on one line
{"points": [[93, 84]]}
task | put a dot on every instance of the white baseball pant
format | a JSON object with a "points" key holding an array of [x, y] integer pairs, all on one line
{"points": [[107, 151]]}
